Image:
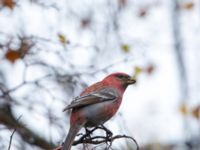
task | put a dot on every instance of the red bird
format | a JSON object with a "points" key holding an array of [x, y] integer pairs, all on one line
{"points": [[96, 104]]}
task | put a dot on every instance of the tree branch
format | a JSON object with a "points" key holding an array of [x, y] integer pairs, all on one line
{"points": [[10, 142], [108, 139], [8, 119]]}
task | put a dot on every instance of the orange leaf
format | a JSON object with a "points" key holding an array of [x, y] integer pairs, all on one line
{"points": [[8, 3], [188, 5], [12, 55]]}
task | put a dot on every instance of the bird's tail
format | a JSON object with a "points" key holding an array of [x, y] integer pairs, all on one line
{"points": [[71, 136]]}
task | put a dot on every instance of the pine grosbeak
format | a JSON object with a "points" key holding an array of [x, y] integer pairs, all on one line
{"points": [[96, 104]]}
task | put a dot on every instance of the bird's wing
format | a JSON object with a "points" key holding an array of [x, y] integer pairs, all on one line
{"points": [[93, 98]]}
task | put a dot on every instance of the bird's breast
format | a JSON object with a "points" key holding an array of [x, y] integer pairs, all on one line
{"points": [[99, 113]]}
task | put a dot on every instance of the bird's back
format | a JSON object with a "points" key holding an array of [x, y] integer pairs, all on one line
{"points": [[94, 87], [100, 112]]}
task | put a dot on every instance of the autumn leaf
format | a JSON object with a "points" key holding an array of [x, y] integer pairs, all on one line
{"points": [[188, 5], [8, 3], [137, 71], [143, 12], [125, 48], [184, 109], [12, 55], [196, 112], [150, 68], [62, 39]]}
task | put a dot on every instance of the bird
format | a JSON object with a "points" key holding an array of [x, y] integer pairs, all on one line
{"points": [[96, 104]]}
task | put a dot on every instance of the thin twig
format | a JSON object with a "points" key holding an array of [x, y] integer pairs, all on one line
{"points": [[11, 137], [98, 140], [86, 138]]}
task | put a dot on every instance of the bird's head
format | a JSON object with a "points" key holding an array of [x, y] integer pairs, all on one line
{"points": [[119, 79]]}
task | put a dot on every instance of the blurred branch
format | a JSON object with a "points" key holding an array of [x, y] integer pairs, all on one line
{"points": [[45, 5], [7, 118], [179, 50]]}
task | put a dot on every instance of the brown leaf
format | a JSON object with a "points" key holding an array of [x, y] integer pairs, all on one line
{"points": [[196, 112], [188, 5], [143, 12], [184, 109], [8, 3], [150, 68], [12, 55]]}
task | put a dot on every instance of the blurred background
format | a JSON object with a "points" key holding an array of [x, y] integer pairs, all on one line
{"points": [[51, 50]]}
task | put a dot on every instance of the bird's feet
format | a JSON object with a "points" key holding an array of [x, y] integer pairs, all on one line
{"points": [[109, 134], [88, 132]]}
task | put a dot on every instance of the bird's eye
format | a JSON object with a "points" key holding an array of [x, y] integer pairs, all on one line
{"points": [[120, 76]]}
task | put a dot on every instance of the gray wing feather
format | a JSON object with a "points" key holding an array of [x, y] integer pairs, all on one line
{"points": [[93, 98]]}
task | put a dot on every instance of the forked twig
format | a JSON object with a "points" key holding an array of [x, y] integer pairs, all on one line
{"points": [[11, 136], [108, 139]]}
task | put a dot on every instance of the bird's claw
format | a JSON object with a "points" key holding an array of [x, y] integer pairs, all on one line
{"points": [[109, 134]]}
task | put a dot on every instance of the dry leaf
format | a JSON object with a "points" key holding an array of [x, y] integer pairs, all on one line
{"points": [[188, 5], [143, 12], [196, 112], [12, 55], [8, 3], [62, 39], [125, 48], [137, 71], [150, 68], [184, 109]]}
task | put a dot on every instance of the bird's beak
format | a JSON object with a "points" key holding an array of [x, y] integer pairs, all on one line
{"points": [[131, 80]]}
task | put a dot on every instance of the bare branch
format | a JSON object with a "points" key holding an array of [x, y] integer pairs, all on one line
{"points": [[10, 142], [26, 134], [96, 140]]}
